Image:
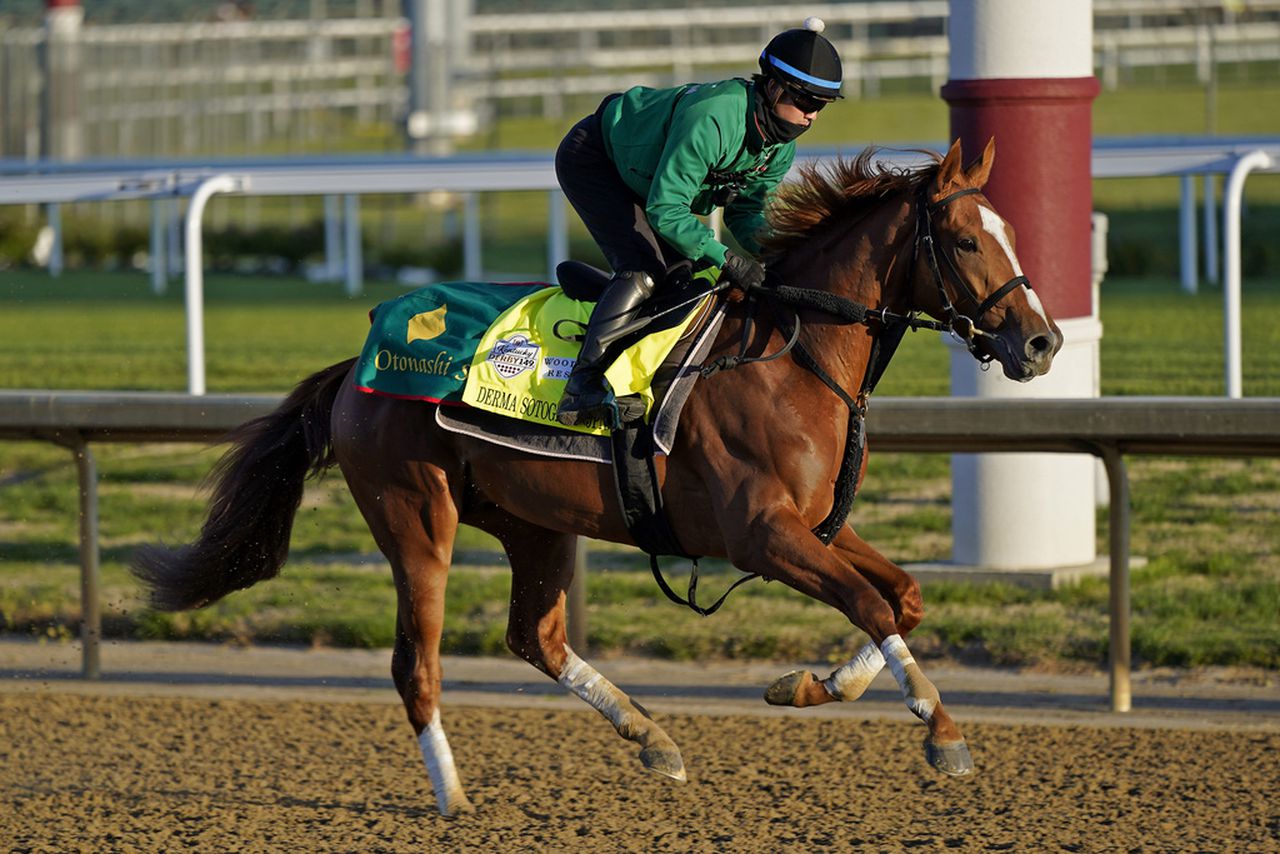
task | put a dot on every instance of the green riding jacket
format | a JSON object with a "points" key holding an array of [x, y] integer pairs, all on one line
{"points": [[665, 142]]}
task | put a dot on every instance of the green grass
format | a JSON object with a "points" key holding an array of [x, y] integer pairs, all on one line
{"points": [[1208, 595]]}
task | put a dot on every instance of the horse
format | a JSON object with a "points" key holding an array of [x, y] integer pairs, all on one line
{"points": [[751, 473]]}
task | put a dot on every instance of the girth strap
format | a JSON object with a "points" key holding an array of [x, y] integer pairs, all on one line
{"points": [[692, 602]]}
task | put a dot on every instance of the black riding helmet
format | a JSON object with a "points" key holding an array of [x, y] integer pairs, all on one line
{"points": [[803, 61]]}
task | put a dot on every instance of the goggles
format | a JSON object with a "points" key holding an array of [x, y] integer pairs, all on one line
{"points": [[803, 102]]}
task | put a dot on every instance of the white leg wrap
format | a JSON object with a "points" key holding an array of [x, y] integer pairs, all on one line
{"points": [[440, 768], [851, 679], [601, 694], [919, 693]]}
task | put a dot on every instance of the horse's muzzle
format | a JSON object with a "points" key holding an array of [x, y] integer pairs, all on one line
{"points": [[1025, 358]]}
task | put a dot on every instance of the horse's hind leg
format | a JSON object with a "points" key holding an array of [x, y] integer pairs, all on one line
{"points": [[542, 564], [414, 519]]}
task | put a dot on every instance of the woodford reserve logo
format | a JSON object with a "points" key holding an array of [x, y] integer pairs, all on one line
{"points": [[513, 356]]}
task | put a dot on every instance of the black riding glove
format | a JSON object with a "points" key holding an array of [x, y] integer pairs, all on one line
{"points": [[746, 273]]}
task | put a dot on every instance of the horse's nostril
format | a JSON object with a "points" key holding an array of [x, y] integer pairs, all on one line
{"points": [[1039, 345]]}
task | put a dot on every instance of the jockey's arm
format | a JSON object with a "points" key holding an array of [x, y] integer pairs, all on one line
{"points": [[694, 144]]}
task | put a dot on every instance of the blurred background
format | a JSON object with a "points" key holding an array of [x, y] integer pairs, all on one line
{"points": [[183, 80]]}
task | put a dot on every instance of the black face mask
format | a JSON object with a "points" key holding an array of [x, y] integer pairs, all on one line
{"points": [[775, 130]]}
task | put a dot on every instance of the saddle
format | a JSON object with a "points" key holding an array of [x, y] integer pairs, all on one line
{"points": [[672, 381], [581, 281]]}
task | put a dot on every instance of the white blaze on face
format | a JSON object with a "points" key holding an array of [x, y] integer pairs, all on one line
{"points": [[996, 227]]}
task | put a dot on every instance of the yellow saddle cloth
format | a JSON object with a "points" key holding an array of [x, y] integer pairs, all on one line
{"points": [[521, 365]]}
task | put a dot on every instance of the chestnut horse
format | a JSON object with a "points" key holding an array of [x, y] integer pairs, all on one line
{"points": [[752, 471]]}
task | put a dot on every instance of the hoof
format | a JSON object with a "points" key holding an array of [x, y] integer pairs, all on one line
{"points": [[952, 759], [799, 689], [456, 807], [665, 761], [786, 690]]}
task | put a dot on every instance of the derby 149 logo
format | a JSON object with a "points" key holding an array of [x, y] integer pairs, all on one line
{"points": [[513, 356]]}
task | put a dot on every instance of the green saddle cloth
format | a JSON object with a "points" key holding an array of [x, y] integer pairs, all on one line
{"points": [[421, 344], [503, 348]]}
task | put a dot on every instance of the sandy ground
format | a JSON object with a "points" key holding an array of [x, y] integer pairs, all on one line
{"points": [[217, 749]]}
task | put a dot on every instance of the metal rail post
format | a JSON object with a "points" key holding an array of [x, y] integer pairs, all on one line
{"points": [[1187, 236], [333, 261], [55, 250], [1120, 658], [1211, 230], [159, 261], [354, 251], [472, 263], [90, 572]]}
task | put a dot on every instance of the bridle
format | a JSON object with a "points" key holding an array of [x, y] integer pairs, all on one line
{"points": [[964, 329], [961, 327]]}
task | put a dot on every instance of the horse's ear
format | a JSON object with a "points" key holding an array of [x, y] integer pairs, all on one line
{"points": [[977, 172], [948, 170]]}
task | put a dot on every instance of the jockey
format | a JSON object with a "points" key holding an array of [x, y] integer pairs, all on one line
{"points": [[648, 160]]}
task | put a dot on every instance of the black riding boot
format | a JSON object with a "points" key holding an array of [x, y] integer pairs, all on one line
{"points": [[587, 395]]}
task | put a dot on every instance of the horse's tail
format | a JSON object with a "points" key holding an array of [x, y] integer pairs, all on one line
{"points": [[257, 487]]}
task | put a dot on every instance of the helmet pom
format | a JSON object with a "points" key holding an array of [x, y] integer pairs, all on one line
{"points": [[815, 24]]}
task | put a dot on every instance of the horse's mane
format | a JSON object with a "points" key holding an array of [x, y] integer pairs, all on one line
{"points": [[825, 192]]}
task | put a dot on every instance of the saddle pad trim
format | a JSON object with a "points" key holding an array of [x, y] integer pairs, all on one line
{"points": [[442, 402], [601, 454]]}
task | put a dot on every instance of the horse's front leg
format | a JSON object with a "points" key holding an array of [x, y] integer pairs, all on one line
{"points": [[783, 548], [801, 688]]}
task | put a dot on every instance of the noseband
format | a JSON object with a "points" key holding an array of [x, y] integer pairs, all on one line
{"points": [[963, 328]]}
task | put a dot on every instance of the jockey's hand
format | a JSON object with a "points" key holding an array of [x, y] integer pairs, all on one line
{"points": [[746, 273]]}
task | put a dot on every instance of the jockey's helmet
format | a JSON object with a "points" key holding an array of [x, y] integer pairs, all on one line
{"points": [[803, 61]]}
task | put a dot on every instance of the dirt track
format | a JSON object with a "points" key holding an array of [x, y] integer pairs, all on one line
{"points": [[145, 773]]}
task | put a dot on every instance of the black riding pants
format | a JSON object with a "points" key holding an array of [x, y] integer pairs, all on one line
{"points": [[611, 210]]}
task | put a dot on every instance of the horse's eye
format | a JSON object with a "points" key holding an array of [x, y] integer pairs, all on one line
{"points": [[968, 244]]}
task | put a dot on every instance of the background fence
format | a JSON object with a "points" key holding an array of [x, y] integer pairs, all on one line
{"points": [[277, 86]]}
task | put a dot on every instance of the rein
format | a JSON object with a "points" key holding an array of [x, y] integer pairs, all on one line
{"points": [[959, 326]]}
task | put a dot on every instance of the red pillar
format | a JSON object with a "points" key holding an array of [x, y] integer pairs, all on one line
{"points": [[1041, 181]]}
